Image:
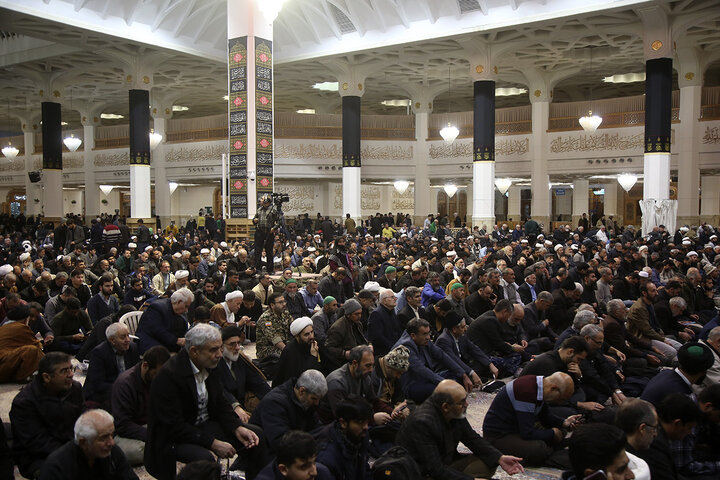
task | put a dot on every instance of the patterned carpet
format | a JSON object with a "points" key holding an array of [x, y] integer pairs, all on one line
{"points": [[479, 402]]}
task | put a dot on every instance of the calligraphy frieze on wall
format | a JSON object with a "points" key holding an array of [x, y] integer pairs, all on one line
{"points": [[590, 143], [370, 197], [404, 201], [334, 152], [712, 135], [112, 159], [302, 198], [465, 149], [206, 154]]}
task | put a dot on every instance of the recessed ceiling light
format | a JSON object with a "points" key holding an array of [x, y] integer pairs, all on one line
{"points": [[327, 86], [396, 103], [506, 92], [110, 116], [63, 123], [625, 78], [226, 98], [179, 108], [309, 111]]}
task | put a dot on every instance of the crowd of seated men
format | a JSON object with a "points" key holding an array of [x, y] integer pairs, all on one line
{"points": [[371, 336]]}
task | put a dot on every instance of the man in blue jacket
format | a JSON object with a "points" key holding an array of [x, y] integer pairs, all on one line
{"points": [[164, 322], [466, 354], [428, 363]]}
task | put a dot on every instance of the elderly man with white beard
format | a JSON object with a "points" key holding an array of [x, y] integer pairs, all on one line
{"points": [[224, 313], [243, 383]]}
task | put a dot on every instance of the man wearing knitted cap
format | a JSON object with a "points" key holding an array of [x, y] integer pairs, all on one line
{"points": [[385, 378], [693, 361], [224, 313], [347, 332], [300, 354], [324, 318]]}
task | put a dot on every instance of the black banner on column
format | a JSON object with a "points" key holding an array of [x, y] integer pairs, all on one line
{"points": [[484, 121], [658, 105], [237, 126], [139, 127], [264, 116], [51, 136], [351, 131]]}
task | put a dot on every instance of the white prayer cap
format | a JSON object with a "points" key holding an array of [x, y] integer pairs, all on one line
{"points": [[177, 255], [223, 244], [233, 295], [644, 274], [574, 247], [182, 274], [433, 239], [691, 253], [548, 242], [541, 236], [684, 229], [148, 248], [5, 269], [372, 286], [300, 324], [642, 247], [686, 242], [713, 237], [311, 249], [24, 256], [132, 245], [557, 247], [524, 240], [451, 253], [59, 258], [539, 245], [204, 251]]}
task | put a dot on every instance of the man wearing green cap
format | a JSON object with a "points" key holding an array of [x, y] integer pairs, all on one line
{"points": [[324, 318], [693, 361], [389, 279], [457, 295]]}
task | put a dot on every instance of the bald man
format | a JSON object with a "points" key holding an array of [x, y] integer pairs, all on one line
{"points": [[511, 422], [432, 431]]}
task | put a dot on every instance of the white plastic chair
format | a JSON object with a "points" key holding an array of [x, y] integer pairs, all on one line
{"points": [[131, 320]]}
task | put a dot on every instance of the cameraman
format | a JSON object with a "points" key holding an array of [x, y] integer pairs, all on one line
{"points": [[265, 221]]}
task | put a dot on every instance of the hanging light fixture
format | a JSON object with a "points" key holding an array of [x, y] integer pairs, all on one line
{"points": [[271, 9], [72, 142], [590, 122], [9, 151], [155, 139], [401, 186], [106, 189], [627, 181], [449, 133], [503, 184], [450, 189], [173, 186]]}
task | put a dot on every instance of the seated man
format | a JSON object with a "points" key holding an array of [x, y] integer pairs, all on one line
{"points": [[108, 360], [677, 415], [347, 332], [638, 420], [162, 281], [91, 455], [20, 351], [290, 406], [535, 322], [428, 363], [486, 332], [190, 418], [44, 412], [466, 354], [130, 403], [103, 303], [433, 430], [324, 318], [600, 378], [599, 448], [383, 326], [70, 326], [224, 313], [385, 378], [300, 354], [164, 322], [294, 301], [273, 328], [311, 297], [252, 309], [243, 383], [296, 457], [137, 294], [693, 361], [519, 422], [642, 323], [344, 444]]}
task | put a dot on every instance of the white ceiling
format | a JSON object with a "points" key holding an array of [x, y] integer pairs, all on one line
{"points": [[86, 48]]}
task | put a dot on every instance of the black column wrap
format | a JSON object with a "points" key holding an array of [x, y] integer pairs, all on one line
{"points": [[139, 127], [351, 131], [484, 121], [52, 136], [658, 105]]}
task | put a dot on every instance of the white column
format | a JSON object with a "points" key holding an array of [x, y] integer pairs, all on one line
{"points": [[580, 200], [52, 200], [351, 192], [610, 201], [162, 188], [540, 207], [32, 190], [710, 201], [483, 211], [92, 197], [514, 204], [140, 201], [422, 175], [688, 155]]}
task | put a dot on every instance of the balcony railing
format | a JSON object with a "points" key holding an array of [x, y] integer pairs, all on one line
{"points": [[610, 120]]}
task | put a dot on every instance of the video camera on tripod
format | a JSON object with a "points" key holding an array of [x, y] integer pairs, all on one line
{"points": [[278, 199]]}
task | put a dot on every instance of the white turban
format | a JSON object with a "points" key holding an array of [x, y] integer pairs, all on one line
{"points": [[24, 256], [233, 295], [372, 286], [182, 274], [5, 269], [204, 251], [300, 324], [132, 245]]}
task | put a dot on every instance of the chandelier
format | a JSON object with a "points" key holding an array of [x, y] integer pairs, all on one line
{"points": [[590, 122], [449, 133], [627, 181], [503, 184], [401, 186]]}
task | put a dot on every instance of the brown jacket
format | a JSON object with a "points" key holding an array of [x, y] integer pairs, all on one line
{"points": [[638, 323]]}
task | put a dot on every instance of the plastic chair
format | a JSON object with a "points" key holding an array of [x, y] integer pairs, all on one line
{"points": [[131, 320]]}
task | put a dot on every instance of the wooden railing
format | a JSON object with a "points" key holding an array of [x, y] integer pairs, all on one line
{"points": [[709, 112], [501, 128], [610, 120]]}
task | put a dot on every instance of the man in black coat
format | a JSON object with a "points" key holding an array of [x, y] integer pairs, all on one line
{"points": [[413, 297], [43, 414], [291, 406], [432, 432], [107, 361], [466, 354], [92, 455], [383, 326], [535, 322], [486, 332], [190, 418], [165, 322], [300, 354], [238, 375], [481, 301]]}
